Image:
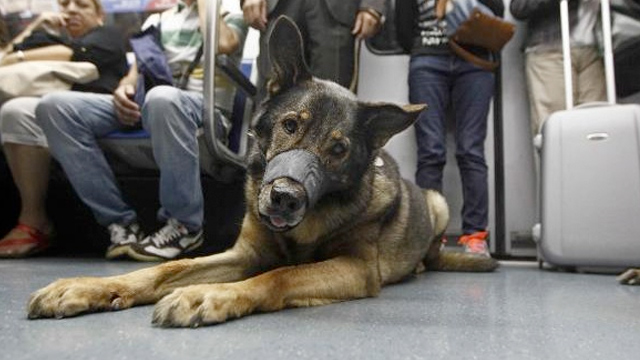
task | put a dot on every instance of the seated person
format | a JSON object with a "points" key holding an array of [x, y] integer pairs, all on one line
{"points": [[74, 121], [83, 38]]}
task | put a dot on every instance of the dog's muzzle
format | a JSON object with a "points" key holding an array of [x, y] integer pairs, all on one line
{"points": [[300, 166], [293, 181]]}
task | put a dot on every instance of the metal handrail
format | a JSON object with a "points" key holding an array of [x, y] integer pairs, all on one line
{"points": [[213, 143]]}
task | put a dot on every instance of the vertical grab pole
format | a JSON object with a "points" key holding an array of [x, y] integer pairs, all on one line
{"points": [[566, 53], [608, 51], [210, 49], [213, 143]]}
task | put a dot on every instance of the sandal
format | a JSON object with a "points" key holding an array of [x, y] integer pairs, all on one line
{"points": [[30, 242]]}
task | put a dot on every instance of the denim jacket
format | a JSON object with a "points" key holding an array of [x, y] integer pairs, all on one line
{"points": [[543, 20]]}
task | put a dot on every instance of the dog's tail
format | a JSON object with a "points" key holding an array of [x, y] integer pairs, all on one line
{"points": [[438, 211], [459, 261]]}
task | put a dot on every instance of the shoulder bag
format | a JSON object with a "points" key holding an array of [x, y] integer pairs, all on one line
{"points": [[470, 22], [36, 78]]}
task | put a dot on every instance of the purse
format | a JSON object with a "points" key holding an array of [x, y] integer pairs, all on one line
{"points": [[152, 63], [37, 78], [469, 22], [153, 68]]}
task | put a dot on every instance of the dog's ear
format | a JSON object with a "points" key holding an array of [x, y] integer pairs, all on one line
{"points": [[384, 120], [286, 54]]}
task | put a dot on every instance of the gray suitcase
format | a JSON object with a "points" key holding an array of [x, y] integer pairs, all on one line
{"points": [[590, 179]]}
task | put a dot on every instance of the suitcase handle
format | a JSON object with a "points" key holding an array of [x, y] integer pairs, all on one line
{"points": [[608, 52]]}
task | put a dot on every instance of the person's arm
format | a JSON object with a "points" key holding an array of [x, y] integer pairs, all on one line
{"points": [[127, 110], [255, 13], [53, 52], [524, 9], [202, 17], [53, 20], [369, 18], [367, 24], [228, 39]]}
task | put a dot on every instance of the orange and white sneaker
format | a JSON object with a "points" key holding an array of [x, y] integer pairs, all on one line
{"points": [[476, 243]]}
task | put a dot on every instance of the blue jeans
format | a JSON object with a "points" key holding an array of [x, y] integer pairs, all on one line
{"points": [[73, 121], [441, 81]]}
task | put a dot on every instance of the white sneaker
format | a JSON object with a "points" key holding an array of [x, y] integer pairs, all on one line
{"points": [[171, 241], [122, 237]]}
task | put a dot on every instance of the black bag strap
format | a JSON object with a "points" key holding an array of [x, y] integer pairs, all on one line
{"points": [[184, 78]]}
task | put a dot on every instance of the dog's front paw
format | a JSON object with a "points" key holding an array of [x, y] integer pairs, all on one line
{"points": [[630, 277], [197, 305], [70, 297]]}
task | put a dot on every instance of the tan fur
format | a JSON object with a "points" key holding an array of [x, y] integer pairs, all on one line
{"points": [[630, 277], [438, 211]]}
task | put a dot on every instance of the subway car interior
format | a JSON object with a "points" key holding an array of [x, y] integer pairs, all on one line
{"points": [[533, 306]]}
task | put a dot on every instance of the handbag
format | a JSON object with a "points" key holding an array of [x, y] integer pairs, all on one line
{"points": [[469, 22], [152, 63], [36, 78], [153, 68]]}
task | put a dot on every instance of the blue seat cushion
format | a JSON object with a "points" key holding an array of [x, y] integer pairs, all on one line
{"points": [[129, 134]]}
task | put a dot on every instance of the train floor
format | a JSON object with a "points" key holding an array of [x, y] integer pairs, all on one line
{"points": [[518, 312]]}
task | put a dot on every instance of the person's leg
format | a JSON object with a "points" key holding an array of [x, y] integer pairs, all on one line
{"points": [[591, 84], [429, 83], [545, 80], [25, 148], [72, 122], [329, 45], [172, 118], [471, 97]]}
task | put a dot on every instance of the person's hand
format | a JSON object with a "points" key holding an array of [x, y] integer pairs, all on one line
{"points": [[127, 110], [7, 59], [52, 20], [366, 25], [255, 13]]}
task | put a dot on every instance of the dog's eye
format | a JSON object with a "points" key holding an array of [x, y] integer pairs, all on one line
{"points": [[338, 149], [290, 125]]}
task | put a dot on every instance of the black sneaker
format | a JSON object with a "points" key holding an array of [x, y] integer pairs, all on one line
{"points": [[122, 237], [171, 241]]}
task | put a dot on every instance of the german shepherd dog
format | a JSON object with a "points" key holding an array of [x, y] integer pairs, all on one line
{"points": [[328, 217]]}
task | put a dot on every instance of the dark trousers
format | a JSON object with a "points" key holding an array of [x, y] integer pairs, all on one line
{"points": [[328, 43], [442, 81]]}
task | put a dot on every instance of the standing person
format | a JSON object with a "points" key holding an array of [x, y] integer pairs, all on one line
{"points": [[73, 123], [441, 79], [329, 30], [83, 38], [544, 61]]}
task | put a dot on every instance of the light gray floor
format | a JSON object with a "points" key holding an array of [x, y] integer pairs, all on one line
{"points": [[519, 312]]}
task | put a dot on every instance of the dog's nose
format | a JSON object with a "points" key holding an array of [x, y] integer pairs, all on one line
{"points": [[287, 198]]}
